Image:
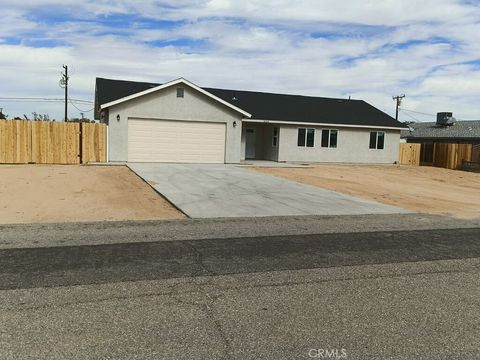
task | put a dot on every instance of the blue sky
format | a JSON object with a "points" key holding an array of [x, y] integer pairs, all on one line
{"points": [[369, 50]]}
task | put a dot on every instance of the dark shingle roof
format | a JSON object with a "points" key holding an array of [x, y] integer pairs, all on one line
{"points": [[461, 130], [107, 90], [268, 106]]}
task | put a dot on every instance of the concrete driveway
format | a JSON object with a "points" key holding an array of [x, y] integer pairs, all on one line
{"points": [[208, 191]]}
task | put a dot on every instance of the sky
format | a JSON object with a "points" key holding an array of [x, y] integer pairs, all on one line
{"points": [[428, 50]]}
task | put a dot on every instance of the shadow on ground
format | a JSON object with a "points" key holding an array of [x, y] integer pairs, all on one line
{"points": [[76, 265]]}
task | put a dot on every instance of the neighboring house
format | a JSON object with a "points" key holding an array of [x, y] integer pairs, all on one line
{"points": [[430, 133], [181, 122]]}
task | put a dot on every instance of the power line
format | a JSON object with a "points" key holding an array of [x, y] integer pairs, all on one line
{"points": [[418, 112], [32, 101], [40, 99], [81, 110], [434, 115], [411, 117]]}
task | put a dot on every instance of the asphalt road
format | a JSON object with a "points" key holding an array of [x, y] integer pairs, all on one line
{"points": [[376, 295], [79, 265]]}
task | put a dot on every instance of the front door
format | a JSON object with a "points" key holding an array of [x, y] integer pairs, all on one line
{"points": [[250, 143]]}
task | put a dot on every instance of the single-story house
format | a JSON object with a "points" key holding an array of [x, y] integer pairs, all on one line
{"points": [[181, 122], [430, 133]]}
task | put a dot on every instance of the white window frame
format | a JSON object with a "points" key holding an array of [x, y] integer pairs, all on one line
{"points": [[329, 138], [306, 136], [376, 140]]}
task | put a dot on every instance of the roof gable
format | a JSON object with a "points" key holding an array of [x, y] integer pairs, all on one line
{"points": [[169, 84]]}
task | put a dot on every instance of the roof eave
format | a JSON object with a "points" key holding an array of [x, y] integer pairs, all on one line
{"points": [[280, 122]]}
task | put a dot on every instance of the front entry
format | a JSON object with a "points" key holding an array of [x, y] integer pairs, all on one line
{"points": [[250, 143]]}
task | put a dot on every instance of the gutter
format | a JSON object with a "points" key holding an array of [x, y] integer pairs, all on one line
{"points": [[323, 124]]}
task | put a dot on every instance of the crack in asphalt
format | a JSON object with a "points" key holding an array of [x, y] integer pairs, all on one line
{"points": [[200, 259]]}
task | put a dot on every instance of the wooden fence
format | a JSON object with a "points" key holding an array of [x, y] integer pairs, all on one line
{"points": [[43, 142], [449, 156], [94, 143], [410, 154]]}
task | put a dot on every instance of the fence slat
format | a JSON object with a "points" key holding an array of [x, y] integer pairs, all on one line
{"points": [[41, 142], [410, 154], [93, 143]]}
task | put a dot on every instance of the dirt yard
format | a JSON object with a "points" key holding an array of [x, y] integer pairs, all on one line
{"points": [[44, 193], [421, 189]]}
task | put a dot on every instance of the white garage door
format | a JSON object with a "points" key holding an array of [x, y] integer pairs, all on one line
{"points": [[175, 141]]}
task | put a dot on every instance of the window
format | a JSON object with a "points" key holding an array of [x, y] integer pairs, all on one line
{"points": [[329, 138], [180, 92], [377, 140], [306, 137], [275, 137]]}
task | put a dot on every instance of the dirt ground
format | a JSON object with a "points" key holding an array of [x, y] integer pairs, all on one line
{"points": [[421, 189], [44, 193]]}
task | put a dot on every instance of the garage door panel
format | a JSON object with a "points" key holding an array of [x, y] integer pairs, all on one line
{"points": [[175, 141]]}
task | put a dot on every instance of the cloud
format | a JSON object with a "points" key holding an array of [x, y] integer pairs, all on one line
{"points": [[370, 49]]}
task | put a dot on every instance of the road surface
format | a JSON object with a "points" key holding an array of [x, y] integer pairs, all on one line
{"points": [[377, 294]]}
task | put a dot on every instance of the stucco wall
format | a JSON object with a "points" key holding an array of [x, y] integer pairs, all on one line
{"points": [[352, 147], [164, 105]]}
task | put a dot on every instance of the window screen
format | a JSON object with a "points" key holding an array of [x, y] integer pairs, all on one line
{"points": [[325, 137], [329, 138], [377, 140], [301, 137], [373, 140], [310, 137], [333, 138], [380, 140]]}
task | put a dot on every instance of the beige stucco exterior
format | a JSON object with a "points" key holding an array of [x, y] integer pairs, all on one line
{"points": [[352, 147], [197, 106], [165, 105]]}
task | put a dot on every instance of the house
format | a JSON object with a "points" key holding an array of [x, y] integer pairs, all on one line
{"points": [[429, 134], [181, 122]]}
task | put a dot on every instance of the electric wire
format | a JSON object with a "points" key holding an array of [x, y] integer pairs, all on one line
{"points": [[418, 112], [84, 111], [40, 99], [411, 117]]}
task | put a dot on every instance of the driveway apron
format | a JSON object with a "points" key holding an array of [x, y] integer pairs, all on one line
{"points": [[210, 191]]}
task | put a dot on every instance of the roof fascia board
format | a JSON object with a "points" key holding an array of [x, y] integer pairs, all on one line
{"points": [[172, 83], [323, 124]]}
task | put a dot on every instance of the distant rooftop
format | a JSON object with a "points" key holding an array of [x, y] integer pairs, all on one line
{"points": [[461, 130]]}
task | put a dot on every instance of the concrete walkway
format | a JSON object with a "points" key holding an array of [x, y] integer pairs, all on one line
{"points": [[210, 191]]}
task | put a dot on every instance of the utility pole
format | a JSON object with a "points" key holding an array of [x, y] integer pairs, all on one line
{"points": [[64, 82], [398, 98]]}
